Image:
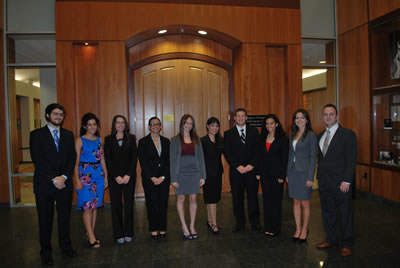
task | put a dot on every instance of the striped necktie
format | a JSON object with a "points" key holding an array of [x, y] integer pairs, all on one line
{"points": [[243, 136], [56, 139]]}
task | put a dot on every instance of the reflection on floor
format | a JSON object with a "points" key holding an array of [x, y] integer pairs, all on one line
{"points": [[376, 227]]}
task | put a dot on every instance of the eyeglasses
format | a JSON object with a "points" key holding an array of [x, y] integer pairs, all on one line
{"points": [[155, 124], [57, 114]]}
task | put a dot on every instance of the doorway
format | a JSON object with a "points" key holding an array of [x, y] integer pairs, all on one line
{"points": [[170, 88]]}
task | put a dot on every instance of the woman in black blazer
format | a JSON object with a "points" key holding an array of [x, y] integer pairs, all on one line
{"points": [[274, 149], [213, 147], [120, 152], [154, 160]]}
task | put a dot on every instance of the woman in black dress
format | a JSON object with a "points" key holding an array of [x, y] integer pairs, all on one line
{"points": [[120, 152], [154, 161], [274, 150], [213, 146]]}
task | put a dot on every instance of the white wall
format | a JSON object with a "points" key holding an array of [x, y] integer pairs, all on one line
{"points": [[318, 18], [26, 16]]}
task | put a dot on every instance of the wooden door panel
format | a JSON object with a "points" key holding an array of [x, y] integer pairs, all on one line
{"points": [[171, 88]]}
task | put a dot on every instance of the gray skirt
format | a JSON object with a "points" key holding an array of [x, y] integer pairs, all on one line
{"points": [[297, 184], [188, 176]]}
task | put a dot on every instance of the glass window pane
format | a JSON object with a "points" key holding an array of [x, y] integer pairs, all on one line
{"points": [[318, 52], [31, 49], [30, 90], [23, 190], [319, 89]]}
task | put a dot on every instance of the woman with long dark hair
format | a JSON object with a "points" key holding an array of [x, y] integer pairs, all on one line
{"points": [[274, 149], [300, 170], [120, 152], [154, 160], [90, 174], [213, 147], [188, 172]]}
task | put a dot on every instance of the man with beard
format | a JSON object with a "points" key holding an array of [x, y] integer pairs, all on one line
{"points": [[53, 154]]}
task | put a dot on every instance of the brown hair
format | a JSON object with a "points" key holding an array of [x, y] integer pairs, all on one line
{"points": [[193, 134]]}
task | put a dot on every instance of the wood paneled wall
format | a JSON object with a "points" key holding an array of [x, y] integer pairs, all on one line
{"points": [[122, 20], [378, 8], [355, 89], [4, 184], [179, 43], [354, 94], [268, 79], [385, 183], [351, 14]]}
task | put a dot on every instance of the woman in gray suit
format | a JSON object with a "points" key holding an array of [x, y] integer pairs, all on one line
{"points": [[300, 170], [188, 171]]}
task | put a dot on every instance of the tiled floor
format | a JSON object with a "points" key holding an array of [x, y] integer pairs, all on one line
{"points": [[376, 228]]}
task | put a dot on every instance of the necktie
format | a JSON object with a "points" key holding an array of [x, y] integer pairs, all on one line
{"points": [[56, 139], [326, 142], [243, 136]]}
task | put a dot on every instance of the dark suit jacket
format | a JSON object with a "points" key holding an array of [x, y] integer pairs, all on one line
{"points": [[339, 162], [151, 163], [273, 163], [238, 153], [48, 162], [120, 160]]}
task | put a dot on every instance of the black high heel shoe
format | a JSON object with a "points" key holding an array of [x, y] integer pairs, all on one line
{"points": [[155, 236], [215, 229], [209, 225], [305, 239]]}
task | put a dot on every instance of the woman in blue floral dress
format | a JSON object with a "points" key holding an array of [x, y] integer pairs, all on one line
{"points": [[90, 174]]}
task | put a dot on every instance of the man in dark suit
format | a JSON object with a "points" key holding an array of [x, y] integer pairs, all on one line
{"points": [[53, 154], [336, 168], [241, 151]]}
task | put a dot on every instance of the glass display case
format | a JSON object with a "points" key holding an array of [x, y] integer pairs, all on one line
{"points": [[386, 129]]}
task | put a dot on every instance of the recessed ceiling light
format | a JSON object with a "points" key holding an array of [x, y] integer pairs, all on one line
{"points": [[322, 61], [86, 44], [162, 31], [202, 32]]}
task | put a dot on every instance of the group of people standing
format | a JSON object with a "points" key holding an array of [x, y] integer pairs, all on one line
{"points": [[189, 162]]}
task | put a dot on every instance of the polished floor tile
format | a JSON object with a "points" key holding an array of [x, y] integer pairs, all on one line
{"points": [[376, 229]]}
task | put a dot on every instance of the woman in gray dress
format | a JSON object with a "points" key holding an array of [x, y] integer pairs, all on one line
{"points": [[188, 171], [300, 170]]}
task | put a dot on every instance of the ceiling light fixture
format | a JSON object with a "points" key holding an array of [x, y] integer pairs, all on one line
{"points": [[162, 31], [202, 32], [322, 61], [86, 43]]}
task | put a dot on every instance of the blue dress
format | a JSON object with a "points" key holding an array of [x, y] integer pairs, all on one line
{"points": [[91, 174]]}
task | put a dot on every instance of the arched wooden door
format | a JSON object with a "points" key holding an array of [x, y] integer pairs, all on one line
{"points": [[168, 89]]}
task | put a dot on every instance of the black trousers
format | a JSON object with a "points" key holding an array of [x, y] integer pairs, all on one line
{"points": [[272, 199], [45, 208], [156, 203], [241, 183], [337, 207], [122, 223]]}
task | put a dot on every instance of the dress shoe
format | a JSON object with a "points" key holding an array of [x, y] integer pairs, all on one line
{"points": [[155, 236], [256, 227], [238, 228], [346, 252], [323, 245], [70, 252], [302, 240], [47, 260]]}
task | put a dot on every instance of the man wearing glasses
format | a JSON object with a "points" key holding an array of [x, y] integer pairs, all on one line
{"points": [[53, 154]]}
